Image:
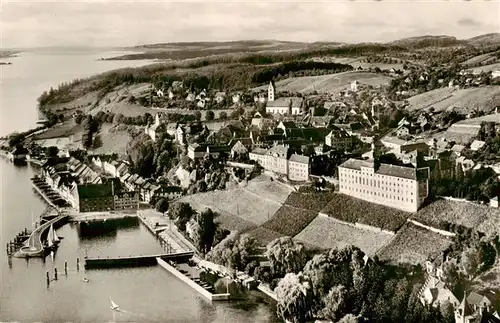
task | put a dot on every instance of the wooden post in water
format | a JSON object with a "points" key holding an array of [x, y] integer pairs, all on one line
{"points": [[77, 263], [48, 279], [55, 273], [66, 268]]}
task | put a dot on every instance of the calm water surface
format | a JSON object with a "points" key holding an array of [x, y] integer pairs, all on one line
{"points": [[144, 294]]}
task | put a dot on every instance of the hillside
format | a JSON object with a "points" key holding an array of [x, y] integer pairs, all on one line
{"points": [[427, 41], [328, 83], [486, 39], [465, 100]]}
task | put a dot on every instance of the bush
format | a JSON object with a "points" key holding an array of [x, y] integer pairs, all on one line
{"points": [[210, 115]]}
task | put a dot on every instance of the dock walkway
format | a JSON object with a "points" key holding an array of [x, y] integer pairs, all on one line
{"points": [[33, 246]]}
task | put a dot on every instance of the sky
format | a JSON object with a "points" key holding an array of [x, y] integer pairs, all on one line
{"points": [[100, 23]]}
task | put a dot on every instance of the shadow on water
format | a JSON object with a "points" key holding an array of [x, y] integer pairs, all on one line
{"points": [[108, 228]]}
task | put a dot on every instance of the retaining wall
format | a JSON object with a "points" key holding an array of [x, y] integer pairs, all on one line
{"points": [[191, 283], [357, 225], [439, 231], [266, 290]]}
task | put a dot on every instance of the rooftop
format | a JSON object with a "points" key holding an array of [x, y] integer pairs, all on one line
{"points": [[299, 159], [95, 190], [384, 169], [285, 102]]}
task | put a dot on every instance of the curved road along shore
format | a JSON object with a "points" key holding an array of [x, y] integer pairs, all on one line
{"points": [[33, 246]]}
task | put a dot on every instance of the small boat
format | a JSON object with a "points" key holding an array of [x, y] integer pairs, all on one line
{"points": [[113, 306], [85, 280], [53, 235]]}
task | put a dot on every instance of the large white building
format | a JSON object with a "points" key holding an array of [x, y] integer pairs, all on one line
{"points": [[296, 167], [403, 188]]}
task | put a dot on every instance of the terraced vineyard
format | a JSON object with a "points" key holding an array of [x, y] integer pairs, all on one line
{"points": [[289, 220], [414, 245], [351, 209]]}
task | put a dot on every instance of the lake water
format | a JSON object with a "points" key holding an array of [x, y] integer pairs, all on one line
{"points": [[145, 294]]}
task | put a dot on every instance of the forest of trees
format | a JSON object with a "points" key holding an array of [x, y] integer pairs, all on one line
{"points": [[339, 283]]}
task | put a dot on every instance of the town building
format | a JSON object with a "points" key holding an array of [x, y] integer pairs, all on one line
{"points": [[278, 159], [339, 139], [201, 150], [95, 197], [150, 130], [400, 187], [125, 200], [239, 150], [289, 105]]}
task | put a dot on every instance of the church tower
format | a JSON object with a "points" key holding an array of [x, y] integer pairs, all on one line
{"points": [[271, 91]]}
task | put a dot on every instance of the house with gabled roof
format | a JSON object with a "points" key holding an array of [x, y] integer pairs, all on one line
{"points": [[280, 160], [285, 105]]}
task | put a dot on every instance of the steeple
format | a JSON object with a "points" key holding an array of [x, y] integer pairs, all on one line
{"points": [[271, 89]]}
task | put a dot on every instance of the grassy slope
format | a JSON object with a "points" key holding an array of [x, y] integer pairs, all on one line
{"points": [[328, 83], [327, 233], [482, 98]]}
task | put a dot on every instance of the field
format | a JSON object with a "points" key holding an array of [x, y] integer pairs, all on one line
{"points": [[328, 83], [114, 140], [261, 185], [326, 233], [235, 202], [477, 121], [463, 213], [242, 208], [480, 59], [309, 201], [234, 223], [465, 100], [350, 209], [65, 129], [359, 62], [487, 68], [263, 235], [414, 245], [289, 220]]}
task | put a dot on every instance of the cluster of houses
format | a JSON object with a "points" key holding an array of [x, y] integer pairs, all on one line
{"points": [[200, 99], [102, 184], [472, 308]]}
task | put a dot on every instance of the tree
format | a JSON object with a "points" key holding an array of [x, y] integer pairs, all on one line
{"points": [[294, 298], [181, 213], [119, 118], [235, 251], [197, 115], [286, 256], [223, 115], [209, 115], [162, 205], [470, 261], [206, 230], [52, 151], [335, 303], [79, 118]]}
